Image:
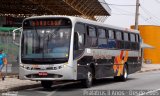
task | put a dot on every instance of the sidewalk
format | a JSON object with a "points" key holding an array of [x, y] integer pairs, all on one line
{"points": [[150, 67], [14, 84]]}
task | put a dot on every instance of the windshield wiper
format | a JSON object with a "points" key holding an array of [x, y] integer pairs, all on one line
{"points": [[51, 33], [48, 39], [37, 37]]}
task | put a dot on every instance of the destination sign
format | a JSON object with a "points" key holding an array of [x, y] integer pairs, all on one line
{"points": [[46, 22]]}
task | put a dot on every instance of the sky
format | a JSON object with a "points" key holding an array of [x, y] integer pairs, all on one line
{"points": [[124, 16]]}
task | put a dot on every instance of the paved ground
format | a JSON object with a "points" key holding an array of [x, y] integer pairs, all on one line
{"points": [[11, 84], [138, 83]]}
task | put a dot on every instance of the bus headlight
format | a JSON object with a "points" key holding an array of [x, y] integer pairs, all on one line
{"points": [[21, 65]]}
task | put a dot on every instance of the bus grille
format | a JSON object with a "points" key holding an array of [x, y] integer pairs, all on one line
{"points": [[48, 76]]}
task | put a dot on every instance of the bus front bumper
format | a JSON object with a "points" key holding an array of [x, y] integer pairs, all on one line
{"points": [[63, 73]]}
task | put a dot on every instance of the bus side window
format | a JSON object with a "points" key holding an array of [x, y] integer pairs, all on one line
{"points": [[76, 45], [91, 31], [107, 33], [111, 40], [133, 41], [133, 38], [111, 34], [92, 36], [119, 40], [126, 40], [80, 29], [137, 38], [137, 42], [102, 39], [126, 37], [118, 35], [79, 39]]}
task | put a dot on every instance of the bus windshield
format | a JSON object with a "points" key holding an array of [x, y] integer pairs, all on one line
{"points": [[45, 44]]}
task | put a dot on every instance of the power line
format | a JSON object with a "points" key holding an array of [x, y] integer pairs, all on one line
{"points": [[156, 19], [123, 14], [151, 18], [157, 1], [120, 5], [148, 20], [122, 10], [148, 12]]}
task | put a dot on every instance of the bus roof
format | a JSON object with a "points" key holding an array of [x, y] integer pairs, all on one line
{"points": [[78, 19]]}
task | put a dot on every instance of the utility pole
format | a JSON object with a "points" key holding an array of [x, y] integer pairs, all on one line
{"points": [[137, 15]]}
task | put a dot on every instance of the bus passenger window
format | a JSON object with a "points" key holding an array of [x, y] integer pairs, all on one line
{"points": [[133, 38], [126, 37], [137, 38], [133, 41], [101, 33], [111, 34], [118, 35], [102, 41], [92, 36], [107, 34], [137, 42], [111, 40], [76, 45], [92, 32], [80, 29]]}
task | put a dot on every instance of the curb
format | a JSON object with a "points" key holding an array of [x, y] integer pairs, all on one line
{"points": [[149, 70], [11, 76]]}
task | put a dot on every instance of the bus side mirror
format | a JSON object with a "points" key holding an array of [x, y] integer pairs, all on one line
{"points": [[14, 35], [76, 41]]}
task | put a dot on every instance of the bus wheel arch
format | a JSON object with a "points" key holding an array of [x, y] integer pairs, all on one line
{"points": [[126, 64], [92, 68], [87, 82], [124, 76]]}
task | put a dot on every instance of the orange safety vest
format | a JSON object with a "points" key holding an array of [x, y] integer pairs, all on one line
{"points": [[5, 61]]}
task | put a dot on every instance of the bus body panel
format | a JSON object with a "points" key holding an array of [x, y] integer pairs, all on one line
{"points": [[103, 61]]}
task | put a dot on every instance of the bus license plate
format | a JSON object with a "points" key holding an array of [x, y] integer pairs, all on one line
{"points": [[42, 73]]}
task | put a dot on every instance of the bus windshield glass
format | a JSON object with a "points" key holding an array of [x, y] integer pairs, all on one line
{"points": [[45, 43]]}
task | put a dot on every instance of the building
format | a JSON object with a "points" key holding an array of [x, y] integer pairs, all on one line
{"points": [[151, 35], [91, 9]]}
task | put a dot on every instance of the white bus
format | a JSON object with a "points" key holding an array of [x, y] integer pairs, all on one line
{"points": [[54, 48]]}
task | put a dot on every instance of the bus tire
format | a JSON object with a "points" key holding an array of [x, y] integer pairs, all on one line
{"points": [[87, 83], [123, 77], [46, 84]]}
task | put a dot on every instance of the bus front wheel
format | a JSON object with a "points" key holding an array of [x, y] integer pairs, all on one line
{"points": [[89, 80], [46, 84]]}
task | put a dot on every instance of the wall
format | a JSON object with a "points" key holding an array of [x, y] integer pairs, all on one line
{"points": [[10, 49], [151, 35]]}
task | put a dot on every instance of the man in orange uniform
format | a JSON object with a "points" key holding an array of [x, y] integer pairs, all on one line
{"points": [[3, 61]]}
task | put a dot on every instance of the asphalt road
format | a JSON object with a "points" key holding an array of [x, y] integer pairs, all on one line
{"points": [[138, 82]]}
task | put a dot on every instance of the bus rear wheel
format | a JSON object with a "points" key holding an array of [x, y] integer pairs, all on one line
{"points": [[46, 84], [87, 83], [124, 76]]}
